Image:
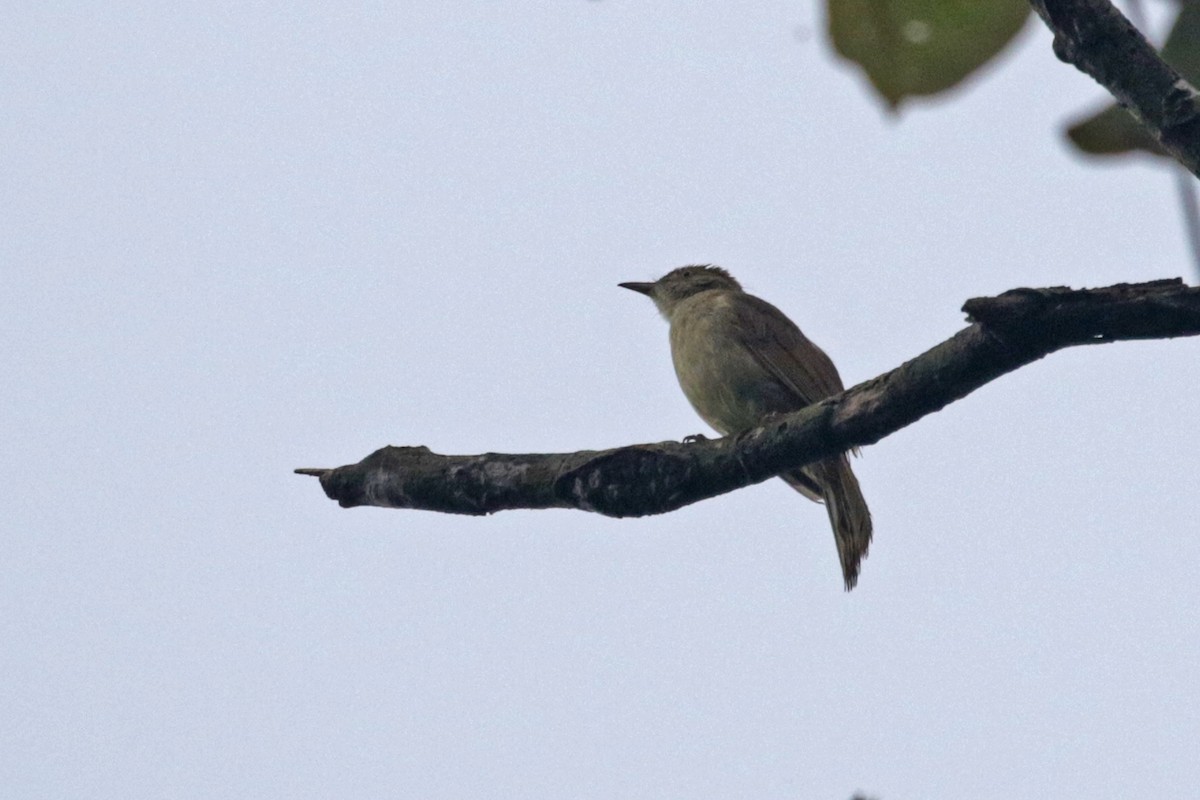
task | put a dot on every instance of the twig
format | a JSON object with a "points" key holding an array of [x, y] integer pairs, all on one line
{"points": [[1190, 207], [1099, 40]]}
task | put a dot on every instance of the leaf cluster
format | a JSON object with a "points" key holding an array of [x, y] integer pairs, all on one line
{"points": [[922, 48]]}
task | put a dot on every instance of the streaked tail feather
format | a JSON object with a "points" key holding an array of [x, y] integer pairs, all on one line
{"points": [[833, 483]]}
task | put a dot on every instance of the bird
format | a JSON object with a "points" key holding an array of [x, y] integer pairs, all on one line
{"points": [[740, 361]]}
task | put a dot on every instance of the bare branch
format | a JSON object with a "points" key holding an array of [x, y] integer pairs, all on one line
{"points": [[1099, 40], [1008, 331]]}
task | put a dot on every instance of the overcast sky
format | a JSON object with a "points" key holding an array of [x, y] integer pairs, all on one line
{"points": [[239, 238]]}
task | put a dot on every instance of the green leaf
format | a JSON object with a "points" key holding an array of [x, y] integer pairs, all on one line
{"points": [[1114, 130], [922, 47], [1182, 50], [1111, 132]]}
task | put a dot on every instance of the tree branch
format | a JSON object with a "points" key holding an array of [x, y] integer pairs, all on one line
{"points": [[1099, 40], [1009, 331]]}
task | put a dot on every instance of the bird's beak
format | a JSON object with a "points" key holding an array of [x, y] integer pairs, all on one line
{"points": [[641, 288]]}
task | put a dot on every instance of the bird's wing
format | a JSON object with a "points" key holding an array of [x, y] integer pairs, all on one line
{"points": [[778, 345]]}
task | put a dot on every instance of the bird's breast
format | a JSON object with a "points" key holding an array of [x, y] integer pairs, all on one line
{"points": [[717, 370]]}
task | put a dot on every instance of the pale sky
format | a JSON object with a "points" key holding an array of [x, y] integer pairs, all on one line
{"points": [[239, 238]]}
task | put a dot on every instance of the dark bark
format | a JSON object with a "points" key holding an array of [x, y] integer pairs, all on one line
{"points": [[1095, 37], [1008, 331]]}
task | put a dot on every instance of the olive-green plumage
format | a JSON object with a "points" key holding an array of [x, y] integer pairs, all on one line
{"points": [[740, 360]]}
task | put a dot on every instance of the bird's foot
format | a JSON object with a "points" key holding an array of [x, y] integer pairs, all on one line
{"points": [[694, 438]]}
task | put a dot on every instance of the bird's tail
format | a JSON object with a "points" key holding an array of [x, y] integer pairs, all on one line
{"points": [[849, 516]]}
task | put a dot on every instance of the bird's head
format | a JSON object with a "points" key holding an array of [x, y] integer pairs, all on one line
{"points": [[680, 284]]}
